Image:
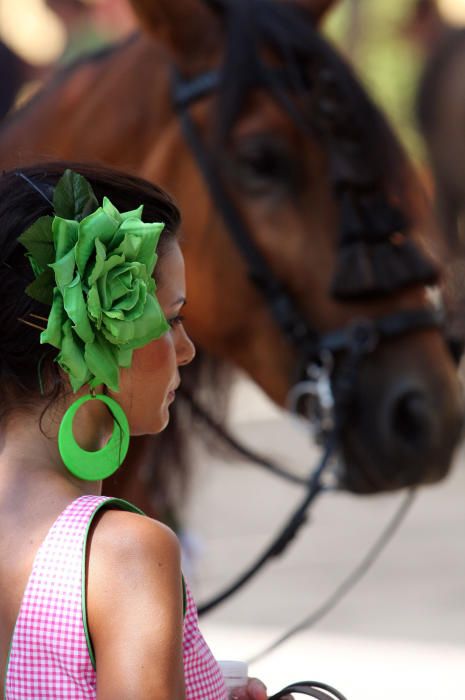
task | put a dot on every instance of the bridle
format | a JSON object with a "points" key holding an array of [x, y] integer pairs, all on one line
{"points": [[316, 381], [361, 336]]}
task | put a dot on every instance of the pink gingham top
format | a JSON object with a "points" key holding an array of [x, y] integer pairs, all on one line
{"points": [[51, 656]]}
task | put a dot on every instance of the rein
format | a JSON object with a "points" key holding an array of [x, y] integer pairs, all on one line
{"points": [[313, 689], [328, 395]]}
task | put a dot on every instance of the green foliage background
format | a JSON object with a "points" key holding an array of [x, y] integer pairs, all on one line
{"points": [[386, 61]]}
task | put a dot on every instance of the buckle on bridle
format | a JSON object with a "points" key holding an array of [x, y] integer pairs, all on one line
{"points": [[314, 395]]}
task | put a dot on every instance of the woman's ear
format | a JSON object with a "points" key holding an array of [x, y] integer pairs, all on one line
{"points": [[188, 29]]}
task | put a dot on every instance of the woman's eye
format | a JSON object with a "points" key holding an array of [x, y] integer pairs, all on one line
{"points": [[175, 321]]}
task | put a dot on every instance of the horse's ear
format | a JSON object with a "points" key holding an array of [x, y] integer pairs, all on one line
{"points": [[186, 28], [317, 8]]}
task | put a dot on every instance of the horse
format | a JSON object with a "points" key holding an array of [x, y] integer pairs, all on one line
{"points": [[308, 240]]}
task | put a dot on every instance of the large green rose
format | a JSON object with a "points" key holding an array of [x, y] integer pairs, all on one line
{"points": [[104, 303]]}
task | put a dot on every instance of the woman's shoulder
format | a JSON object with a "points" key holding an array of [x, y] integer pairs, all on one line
{"points": [[133, 563], [119, 536]]}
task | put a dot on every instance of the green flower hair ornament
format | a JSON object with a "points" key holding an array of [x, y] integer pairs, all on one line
{"points": [[94, 266]]}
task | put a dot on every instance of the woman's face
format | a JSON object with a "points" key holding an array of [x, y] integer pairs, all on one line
{"points": [[148, 387]]}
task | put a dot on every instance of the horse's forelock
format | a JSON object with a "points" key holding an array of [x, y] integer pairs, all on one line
{"points": [[322, 95], [335, 104]]}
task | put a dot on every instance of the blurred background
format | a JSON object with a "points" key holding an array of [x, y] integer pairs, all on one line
{"points": [[401, 632], [36, 35]]}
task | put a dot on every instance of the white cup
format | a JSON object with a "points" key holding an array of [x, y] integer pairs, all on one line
{"points": [[235, 673]]}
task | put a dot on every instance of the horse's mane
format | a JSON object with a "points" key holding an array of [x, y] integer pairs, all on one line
{"points": [[311, 69]]}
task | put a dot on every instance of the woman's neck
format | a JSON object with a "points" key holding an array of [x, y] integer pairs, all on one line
{"points": [[29, 453]]}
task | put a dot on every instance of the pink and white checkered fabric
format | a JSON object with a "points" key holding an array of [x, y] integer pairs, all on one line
{"points": [[49, 658], [48, 655], [204, 680]]}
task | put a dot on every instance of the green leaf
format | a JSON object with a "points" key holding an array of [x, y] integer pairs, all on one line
{"points": [[37, 269], [65, 234], [100, 257], [54, 333], [94, 306], [111, 210], [42, 288], [38, 240], [124, 356], [64, 270], [71, 358], [76, 308], [74, 197], [101, 361]]}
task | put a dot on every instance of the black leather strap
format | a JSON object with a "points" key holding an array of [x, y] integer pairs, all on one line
{"points": [[313, 689], [383, 327], [282, 306]]}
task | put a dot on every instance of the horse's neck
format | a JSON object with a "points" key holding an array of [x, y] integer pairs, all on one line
{"points": [[113, 108]]}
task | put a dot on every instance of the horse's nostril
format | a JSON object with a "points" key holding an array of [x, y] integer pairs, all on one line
{"points": [[412, 419]]}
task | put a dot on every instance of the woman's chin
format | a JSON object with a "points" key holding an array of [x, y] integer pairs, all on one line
{"points": [[163, 419], [154, 427], [164, 424]]}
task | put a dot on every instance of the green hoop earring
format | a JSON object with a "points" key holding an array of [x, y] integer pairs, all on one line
{"points": [[94, 466]]}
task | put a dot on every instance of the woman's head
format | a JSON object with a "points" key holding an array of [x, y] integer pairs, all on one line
{"points": [[28, 375]]}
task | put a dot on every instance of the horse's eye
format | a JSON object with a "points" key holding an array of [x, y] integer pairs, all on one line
{"points": [[263, 166]]}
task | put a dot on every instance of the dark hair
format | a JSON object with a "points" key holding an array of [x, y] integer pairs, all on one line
{"points": [[27, 369]]}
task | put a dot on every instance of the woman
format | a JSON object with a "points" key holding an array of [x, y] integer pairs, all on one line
{"points": [[92, 600]]}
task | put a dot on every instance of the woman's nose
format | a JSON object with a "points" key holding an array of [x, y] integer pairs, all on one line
{"points": [[185, 349]]}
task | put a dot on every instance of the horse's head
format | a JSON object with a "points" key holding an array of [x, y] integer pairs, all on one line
{"points": [[298, 160]]}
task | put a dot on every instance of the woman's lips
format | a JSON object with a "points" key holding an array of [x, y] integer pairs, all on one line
{"points": [[172, 394]]}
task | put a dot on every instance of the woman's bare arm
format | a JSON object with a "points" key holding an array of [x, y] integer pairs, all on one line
{"points": [[134, 604]]}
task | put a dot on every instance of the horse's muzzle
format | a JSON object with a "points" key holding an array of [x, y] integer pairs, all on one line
{"points": [[404, 420]]}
